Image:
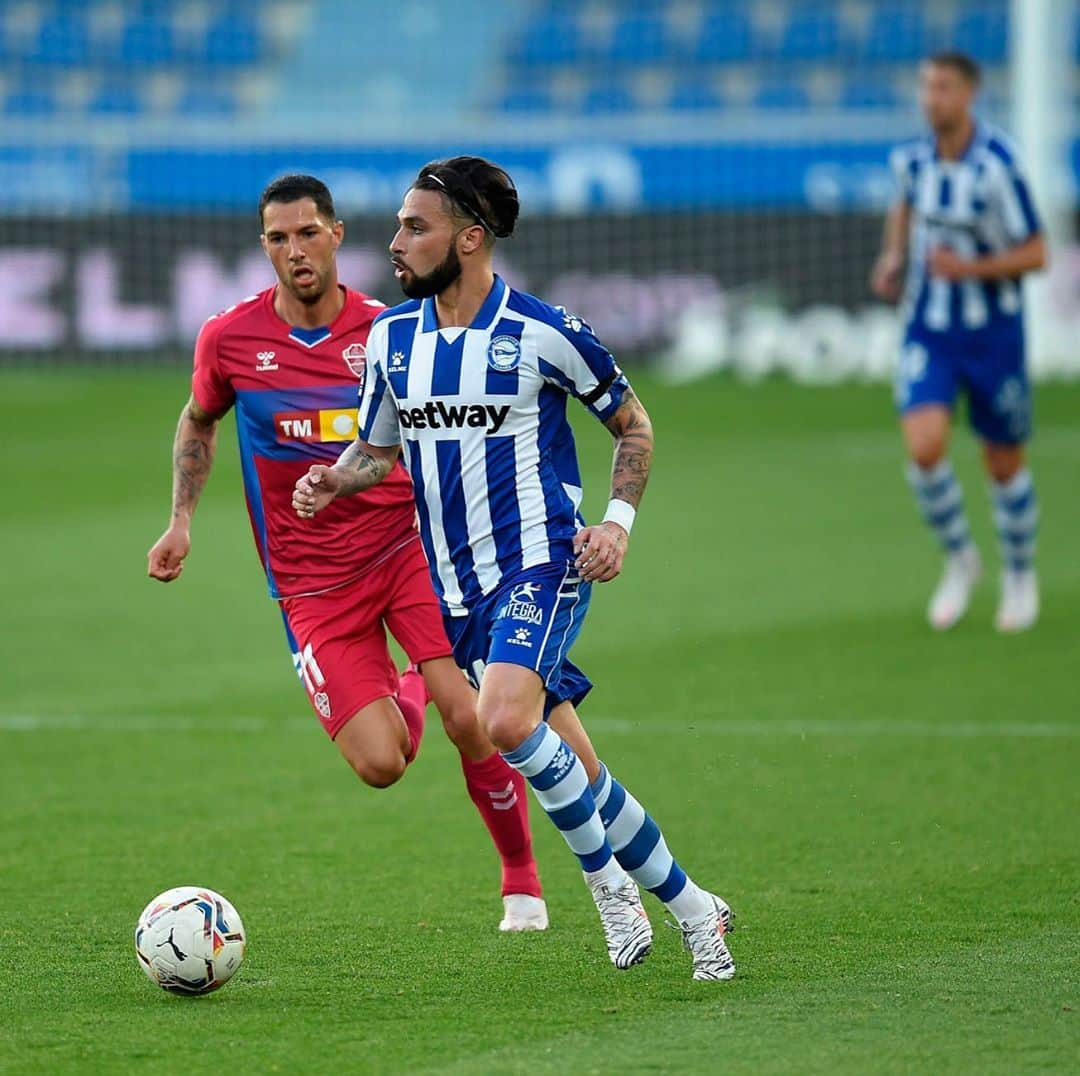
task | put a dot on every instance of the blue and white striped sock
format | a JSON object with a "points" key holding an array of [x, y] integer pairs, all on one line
{"points": [[561, 785], [1016, 516], [642, 852], [941, 503]]}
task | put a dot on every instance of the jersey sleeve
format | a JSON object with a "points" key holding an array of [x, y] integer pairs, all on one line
{"points": [[377, 421], [902, 166], [576, 360], [211, 389], [1017, 205]]}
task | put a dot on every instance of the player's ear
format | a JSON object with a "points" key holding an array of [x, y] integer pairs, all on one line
{"points": [[471, 239], [339, 232], [265, 245]]}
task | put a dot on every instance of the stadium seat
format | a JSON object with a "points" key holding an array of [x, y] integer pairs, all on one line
{"points": [[811, 34], [639, 39], [782, 93], [725, 36], [693, 95], [526, 100], [608, 100], [30, 100], [897, 33], [865, 92], [233, 39], [147, 39], [116, 97], [63, 41], [549, 41], [206, 101], [982, 33]]}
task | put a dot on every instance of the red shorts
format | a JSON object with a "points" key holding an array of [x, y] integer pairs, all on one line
{"points": [[338, 638]]}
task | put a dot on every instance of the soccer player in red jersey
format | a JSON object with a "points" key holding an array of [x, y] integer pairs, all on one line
{"points": [[290, 361]]}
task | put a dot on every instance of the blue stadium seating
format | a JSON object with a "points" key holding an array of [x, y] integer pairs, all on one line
{"points": [[781, 93], [812, 34], [864, 92], [982, 32], [116, 97], [233, 39], [146, 40], [200, 101], [608, 99], [694, 96], [725, 36], [898, 34], [63, 41], [640, 39], [32, 100], [549, 41]]}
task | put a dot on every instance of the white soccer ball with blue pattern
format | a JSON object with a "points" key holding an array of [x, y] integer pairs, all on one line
{"points": [[190, 940]]}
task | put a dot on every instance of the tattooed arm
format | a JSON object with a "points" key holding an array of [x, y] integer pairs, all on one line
{"points": [[358, 468], [193, 456], [601, 549]]}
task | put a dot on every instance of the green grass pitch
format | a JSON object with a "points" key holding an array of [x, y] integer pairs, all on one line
{"points": [[895, 816]]}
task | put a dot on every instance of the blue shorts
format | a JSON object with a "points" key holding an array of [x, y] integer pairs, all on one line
{"points": [[532, 620], [987, 364]]}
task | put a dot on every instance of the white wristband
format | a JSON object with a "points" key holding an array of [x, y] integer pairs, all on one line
{"points": [[620, 512]]}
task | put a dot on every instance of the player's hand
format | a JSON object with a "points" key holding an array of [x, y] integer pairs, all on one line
{"points": [[315, 490], [165, 561], [948, 264], [600, 551], [887, 277]]}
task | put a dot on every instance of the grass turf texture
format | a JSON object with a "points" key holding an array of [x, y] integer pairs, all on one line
{"points": [[893, 814]]}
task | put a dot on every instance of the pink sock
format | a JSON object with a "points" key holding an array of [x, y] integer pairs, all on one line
{"points": [[499, 794], [412, 701]]}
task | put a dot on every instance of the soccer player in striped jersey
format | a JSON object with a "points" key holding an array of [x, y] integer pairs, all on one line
{"points": [[966, 226], [289, 361], [470, 381]]}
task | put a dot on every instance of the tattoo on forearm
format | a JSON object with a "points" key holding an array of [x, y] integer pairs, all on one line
{"points": [[361, 469], [193, 456], [633, 450]]}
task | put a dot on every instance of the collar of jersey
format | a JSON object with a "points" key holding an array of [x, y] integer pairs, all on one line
{"points": [[484, 316], [977, 136]]}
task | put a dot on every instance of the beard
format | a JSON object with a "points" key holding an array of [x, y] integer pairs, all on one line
{"points": [[312, 291], [438, 280]]}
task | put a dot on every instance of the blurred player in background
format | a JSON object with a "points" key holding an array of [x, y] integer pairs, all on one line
{"points": [[966, 226], [471, 378], [290, 360]]}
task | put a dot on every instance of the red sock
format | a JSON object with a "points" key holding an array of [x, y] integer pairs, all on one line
{"points": [[499, 794], [412, 701]]}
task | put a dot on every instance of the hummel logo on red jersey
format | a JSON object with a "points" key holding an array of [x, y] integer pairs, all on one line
{"points": [[266, 360]]}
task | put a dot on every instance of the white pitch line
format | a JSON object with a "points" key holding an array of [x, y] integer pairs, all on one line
{"points": [[951, 730]]}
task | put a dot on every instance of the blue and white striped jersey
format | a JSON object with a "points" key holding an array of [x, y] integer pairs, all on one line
{"points": [[480, 413], [977, 205]]}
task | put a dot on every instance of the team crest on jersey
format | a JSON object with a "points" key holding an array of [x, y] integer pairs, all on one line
{"points": [[504, 353], [355, 356]]}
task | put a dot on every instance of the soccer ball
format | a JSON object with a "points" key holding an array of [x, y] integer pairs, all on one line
{"points": [[189, 940]]}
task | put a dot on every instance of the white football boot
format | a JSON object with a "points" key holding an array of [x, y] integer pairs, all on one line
{"points": [[704, 937], [951, 598], [522, 912], [1019, 606], [627, 929]]}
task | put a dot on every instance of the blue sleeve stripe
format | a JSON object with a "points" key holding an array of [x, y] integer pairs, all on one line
{"points": [[374, 405], [1027, 206]]}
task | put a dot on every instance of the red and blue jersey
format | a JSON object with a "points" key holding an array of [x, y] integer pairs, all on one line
{"points": [[295, 392]]}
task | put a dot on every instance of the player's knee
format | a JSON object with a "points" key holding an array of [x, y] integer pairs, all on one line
{"points": [[505, 723], [379, 772], [1003, 463], [460, 723], [927, 452]]}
